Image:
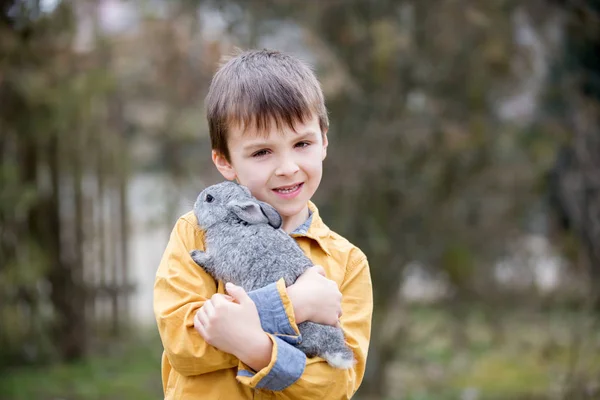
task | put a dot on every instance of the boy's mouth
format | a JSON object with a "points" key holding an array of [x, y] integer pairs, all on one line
{"points": [[288, 189]]}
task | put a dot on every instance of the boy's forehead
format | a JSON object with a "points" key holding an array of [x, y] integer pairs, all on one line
{"points": [[253, 132]]}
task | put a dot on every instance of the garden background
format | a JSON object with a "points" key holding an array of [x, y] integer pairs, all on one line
{"points": [[464, 160]]}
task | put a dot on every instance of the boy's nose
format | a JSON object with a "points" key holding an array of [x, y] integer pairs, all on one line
{"points": [[287, 167]]}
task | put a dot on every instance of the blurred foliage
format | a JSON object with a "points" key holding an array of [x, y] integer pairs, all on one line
{"points": [[459, 129], [55, 136], [127, 370], [25, 258]]}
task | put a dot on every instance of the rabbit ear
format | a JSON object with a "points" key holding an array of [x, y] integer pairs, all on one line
{"points": [[271, 213], [248, 211], [255, 212]]}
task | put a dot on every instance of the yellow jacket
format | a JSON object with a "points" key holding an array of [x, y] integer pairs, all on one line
{"points": [[193, 369]]}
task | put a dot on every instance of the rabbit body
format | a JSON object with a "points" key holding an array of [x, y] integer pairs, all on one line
{"points": [[245, 246]]}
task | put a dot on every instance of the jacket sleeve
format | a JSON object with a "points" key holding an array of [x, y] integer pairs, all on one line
{"points": [[319, 380], [180, 289]]}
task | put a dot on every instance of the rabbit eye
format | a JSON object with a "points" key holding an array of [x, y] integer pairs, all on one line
{"points": [[209, 198]]}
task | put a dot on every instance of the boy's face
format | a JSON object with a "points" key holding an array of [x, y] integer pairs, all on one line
{"points": [[283, 168]]}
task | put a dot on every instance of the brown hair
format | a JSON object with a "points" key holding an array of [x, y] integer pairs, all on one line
{"points": [[260, 87]]}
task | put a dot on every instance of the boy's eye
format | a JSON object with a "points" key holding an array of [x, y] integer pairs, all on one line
{"points": [[260, 153], [302, 144]]}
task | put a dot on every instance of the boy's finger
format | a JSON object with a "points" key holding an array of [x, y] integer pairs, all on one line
{"points": [[197, 322], [201, 317], [200, 329], [219, 298], [319, 269], [209, 308], [237, 292]]}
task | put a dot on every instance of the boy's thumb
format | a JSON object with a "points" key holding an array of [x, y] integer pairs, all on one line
{"points": [[237, 292]]}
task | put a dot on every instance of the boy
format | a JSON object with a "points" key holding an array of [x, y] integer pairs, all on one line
{"points": [[268, 127]]}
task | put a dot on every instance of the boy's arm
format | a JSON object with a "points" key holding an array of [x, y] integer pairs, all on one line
{"points": [[319, 380], [180, 289]]}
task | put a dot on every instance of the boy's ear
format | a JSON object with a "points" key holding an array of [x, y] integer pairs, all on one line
{"points": [[325, 144], [224, 166]]}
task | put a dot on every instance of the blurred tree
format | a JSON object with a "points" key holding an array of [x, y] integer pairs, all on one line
{"points": [[30, 246], [54, 146], [575, 178]]}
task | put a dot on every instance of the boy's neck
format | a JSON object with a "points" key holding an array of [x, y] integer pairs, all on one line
{"points": [[291, 223]]}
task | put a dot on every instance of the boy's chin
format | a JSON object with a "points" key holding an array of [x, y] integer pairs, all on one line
{"points": [[291, 211]]}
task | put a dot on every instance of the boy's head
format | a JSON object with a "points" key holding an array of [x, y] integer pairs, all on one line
{"points": [[261, 87], [268, 128]]}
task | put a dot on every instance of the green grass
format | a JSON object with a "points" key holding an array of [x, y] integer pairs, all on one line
{"points": [[513, 355], [507, 355], [128, 370]]}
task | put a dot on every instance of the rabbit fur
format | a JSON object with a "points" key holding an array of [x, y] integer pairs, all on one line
{"points": [[245, 246]]}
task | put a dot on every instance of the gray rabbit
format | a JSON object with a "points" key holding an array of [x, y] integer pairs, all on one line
{"points": [[245, 246]]}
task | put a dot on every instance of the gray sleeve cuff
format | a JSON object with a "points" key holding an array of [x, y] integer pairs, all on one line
{"points": [[271, 312], [288, 368]]}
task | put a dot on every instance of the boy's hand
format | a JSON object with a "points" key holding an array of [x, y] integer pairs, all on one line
{"points": [[316, 298], [231, 324]]}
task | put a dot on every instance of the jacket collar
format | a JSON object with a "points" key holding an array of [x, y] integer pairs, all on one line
{"points": [[317, 230]]}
